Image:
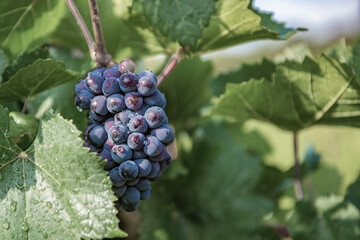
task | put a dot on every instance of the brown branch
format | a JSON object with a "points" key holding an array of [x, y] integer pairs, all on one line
{"points": [[297, 184], [25, 106], [103, 58], [174, 60], [80, 21]]}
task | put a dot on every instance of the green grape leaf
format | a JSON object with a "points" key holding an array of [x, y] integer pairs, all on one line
{"points": [[316, 91], [182, 21], [23, 129], [330, 218], [235, 23], [222, 174], [23, 60], [3, 64], [43, 74], [26, 23], [186, 91], [55, 189], [353, 193]]}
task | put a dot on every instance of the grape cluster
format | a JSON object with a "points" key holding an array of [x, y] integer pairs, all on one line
{"points": [[128, 128]]}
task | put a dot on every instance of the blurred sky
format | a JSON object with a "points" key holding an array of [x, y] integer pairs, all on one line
{"points": [[326, 20]]}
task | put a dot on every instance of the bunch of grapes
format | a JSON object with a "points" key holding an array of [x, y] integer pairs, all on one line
{"points": [[128, 128]]}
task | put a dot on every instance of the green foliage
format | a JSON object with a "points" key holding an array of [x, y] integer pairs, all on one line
{"points": [[27, 23], [3, 63], [46, 191], [23, 129], [37, 77], [295, 96], [353, 193]]}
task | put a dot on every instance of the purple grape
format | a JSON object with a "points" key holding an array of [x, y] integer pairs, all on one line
{"points": [[133, 182], [81, 85], [106, 155], [155, 169], [108, 144], [83, 99], [115, 177], [108, 124], [121, 153], [158, 175], [119, 191], [131, 207], [95, 149], [165, 163], [87, 130], [145, 194], [161, 156], [94, 83], [98, 71], [97, 136], [111, 72], [118, 134], [164, 133], [126, 65], [153, 146], [115, 103], [128, 170], [143, 185], [138, 124], [98, 105], [86, 144], [146, 85], [95, 118], [128, 82], [155, 117], [144, 166], [148, 73], [136, 141], [133, 101], [138, 154], [110, 86], [156, 99], [142, 110], [132, 196], [124, 117]]}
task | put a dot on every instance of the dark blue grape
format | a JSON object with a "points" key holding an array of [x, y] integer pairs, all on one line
{"points": [[156, 99], [115, 103], [110, 86], [138, 124], [155, 169], [165, 163], [98, 71], [153, 146], [124, 117], [142, 110], [160, 157], [108, 144], [106, 155], [133, 182], [145, 194], [95, 149], [119, 191], [83, 99], [121, 153], [164, 133], [128, 170], [86, 144], [133, 101], [144, 166], [118, 134], [130, 208], [158, 175], [80, 86], [131, 196], [138, 154], [115, 177], [126, 65], [136, 141], [111, 72], [94, 83], [97, 136], [148, 73], [155, 117], [95, 118], [108, 124], [146, 85], [143, 185], [128, 82], [98, 105]]}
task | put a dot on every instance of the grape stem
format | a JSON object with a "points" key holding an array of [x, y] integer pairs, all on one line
{"points": [[103, 58], [89, 39], [297, 184], [25, 106], [174, 60]]}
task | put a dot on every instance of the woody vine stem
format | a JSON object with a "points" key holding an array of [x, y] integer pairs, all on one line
{"points": [[97, 48]]}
